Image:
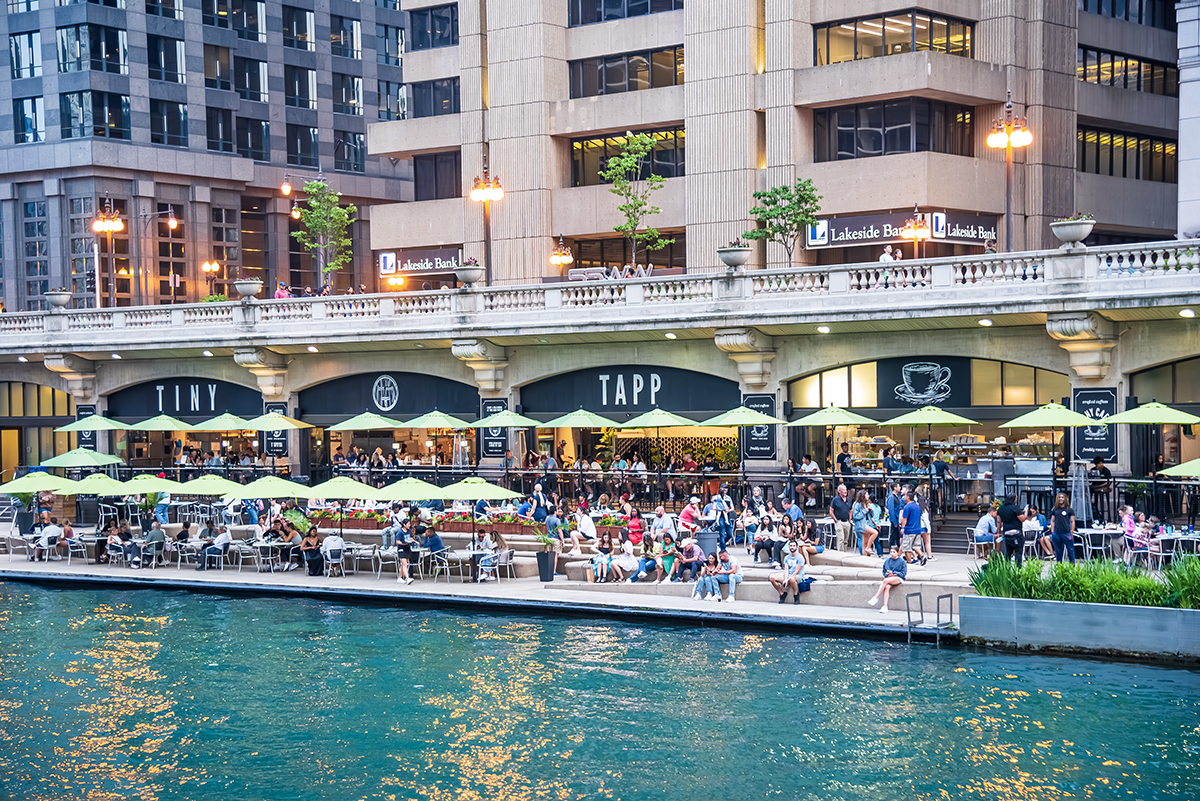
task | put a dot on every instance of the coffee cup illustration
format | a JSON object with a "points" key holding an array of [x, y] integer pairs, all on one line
{"points": [[924, 383]]}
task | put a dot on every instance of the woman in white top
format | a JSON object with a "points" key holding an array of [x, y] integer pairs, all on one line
{"points": [[625, 563]]}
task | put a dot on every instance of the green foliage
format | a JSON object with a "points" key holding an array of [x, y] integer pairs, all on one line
{"points": [[297, 519], [149, 502], [26, 499], [220, 297], [784, 213], [324, 223], [1094, 581], [624, 172], [604, 453]]}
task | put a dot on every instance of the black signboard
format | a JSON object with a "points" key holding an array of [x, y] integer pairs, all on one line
{"points": [[85, 439], [184, 397], [758, 442], [1095, 440], [393, 394], [631, 388], [923, 381], [275, 443], [495, 440], [873, 229]]}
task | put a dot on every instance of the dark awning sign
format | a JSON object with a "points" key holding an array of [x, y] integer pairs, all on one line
{"points": [[630, 388]]}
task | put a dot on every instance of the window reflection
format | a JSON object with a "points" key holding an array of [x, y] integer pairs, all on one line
{"points": [[871, 37]]}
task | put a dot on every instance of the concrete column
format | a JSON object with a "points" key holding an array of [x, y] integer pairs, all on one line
{"points": [[1088, 338], [269, 368], [1188, 17]]}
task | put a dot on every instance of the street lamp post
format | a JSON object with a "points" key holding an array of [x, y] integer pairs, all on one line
{"points": [[108, 222], [485, 191], [210, 268], [561, 256], [172, 222], [916, 229], [1009, 132]]}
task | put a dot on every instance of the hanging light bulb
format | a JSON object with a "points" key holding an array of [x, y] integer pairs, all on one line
{"points": [[172, 223], [496, 192], [477, 191], [286, 187], [295, 210]]}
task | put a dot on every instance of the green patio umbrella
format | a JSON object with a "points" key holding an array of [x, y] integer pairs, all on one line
{"points": [[476, 489], [833, 416], [95, 484], [274, 421], [657, 418], [93, 422], [1191, 468], [33, 482], [1152, 414], [81, 457], [163, 422], [223, 422], [581, 418], [210, 485], [409, 489], [367, 421], [435, 419], [929, 416], [742, 417], [269, 487], [1052, 415], [341, 487], [507, 419], [146, 484]]}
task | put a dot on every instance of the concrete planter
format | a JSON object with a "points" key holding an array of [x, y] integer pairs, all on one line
{"points": [[248, 288], [58, 300], [1072, 232], [734, 257], [468, 273], [1144, 631]]}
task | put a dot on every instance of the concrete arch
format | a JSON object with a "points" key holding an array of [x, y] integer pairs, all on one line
{"points": [[531, 364], [33, 373], [114, 376], [305, 373]]}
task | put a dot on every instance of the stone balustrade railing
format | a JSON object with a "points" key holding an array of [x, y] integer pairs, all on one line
{"points": [[1045, 275]]}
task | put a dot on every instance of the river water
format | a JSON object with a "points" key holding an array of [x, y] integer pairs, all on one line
{"points": [[162, 695]]}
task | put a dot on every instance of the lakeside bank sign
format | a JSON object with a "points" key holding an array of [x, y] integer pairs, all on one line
{"points": [[872, 229], [436, 260]]}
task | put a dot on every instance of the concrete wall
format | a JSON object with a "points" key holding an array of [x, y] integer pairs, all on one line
{"points": [[1152, 632]]}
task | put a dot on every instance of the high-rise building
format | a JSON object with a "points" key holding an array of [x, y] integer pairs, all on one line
{"points": [[884, 106], [192, 111]]}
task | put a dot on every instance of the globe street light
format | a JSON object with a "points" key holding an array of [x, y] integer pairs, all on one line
{"points": [[561, 256], [916, 229], [108, 222], [484, 191], [1009, 132], [210, 268]]}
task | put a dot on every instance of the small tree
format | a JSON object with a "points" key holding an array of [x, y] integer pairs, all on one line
{"points": [[784, 213], [624, 171], [323, 225]]}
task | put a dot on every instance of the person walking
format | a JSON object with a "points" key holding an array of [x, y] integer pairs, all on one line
{"points": [[840, 510], [1062, 529], [1011, 519]]}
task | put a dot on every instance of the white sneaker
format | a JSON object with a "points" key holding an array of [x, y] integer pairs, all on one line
{"points": [[872, 602], [883, 610], [630, 579], [484, 578], [695, 596], [641, 575], [576, 552], [730, 599], [408, 580]]}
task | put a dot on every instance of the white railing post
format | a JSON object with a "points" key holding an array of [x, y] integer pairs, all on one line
{"points": [[942, 273], [553, 298], [839, 281], [635, 293], [320, 309], [176, 317], [118, 318]]}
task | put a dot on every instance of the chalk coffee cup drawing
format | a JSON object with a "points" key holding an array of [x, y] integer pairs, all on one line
{"points": [[924, 383]]}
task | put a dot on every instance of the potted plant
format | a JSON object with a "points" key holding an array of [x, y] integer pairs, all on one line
{"points": [[1073, 229], [247, 287], [469, 272], [735, 254], [26, 506], [58, 297], [545, 557], [298, 519]]}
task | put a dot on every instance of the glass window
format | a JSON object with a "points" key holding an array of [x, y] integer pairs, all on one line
{"points": [[393, 101], [250, 78], [347, 94], [841, 42], [345, 33], [389, 46], [1153, 13], [1018, 385], [1126, 155], [249, 19], [253, 139], [898, 35], [1154, 384], [75, 114], [302, 145], [298, 28], [869, 38], [986, 384], [110, 115], [434, 27], [165, 57], [1052, 387], [299, 87], [220, 130], [349, 151], [626, 72], [19, 6], [437, 176], [435, 98], [109, 50], [863, 392], [806, 392], [29, 120], [215, 13], [217, 70], [25, 53], [586, 12], [168, 123], [902, 126], [1187, 383], [835, 387], [74, 54]]}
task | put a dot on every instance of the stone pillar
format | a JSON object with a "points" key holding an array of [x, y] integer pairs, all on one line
{"points": [[1188, 17], [753, 353], [488, 361], [79, 373], [1088, 338], [269, 368]]}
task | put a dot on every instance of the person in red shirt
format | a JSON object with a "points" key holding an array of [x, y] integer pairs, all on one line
{"points": [[689, 518]]}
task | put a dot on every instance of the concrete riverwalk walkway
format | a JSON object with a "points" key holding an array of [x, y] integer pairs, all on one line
{"points": [[527, 595]]}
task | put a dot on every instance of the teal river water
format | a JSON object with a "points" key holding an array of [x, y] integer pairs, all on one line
{"points": [[159, 695]]}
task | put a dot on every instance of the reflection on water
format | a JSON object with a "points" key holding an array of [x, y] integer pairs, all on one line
{"points": [[149, 695]]}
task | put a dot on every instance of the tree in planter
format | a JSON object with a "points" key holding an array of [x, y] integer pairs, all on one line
{"points": [[323, 226], [784, 213], [632, 181]]}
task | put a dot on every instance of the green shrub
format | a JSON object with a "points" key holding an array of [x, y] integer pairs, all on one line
{"points": [[1183, 582], [217, 298], [1094, 581], [298, 519]]}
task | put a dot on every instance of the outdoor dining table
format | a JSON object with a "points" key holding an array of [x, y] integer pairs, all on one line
{"points": [[474, 554]]}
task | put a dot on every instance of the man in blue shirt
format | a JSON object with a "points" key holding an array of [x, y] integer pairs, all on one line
{"points": [[722, 508], [430, 539], [526, 507], [910, 525], [987, 529], [895, 502]]}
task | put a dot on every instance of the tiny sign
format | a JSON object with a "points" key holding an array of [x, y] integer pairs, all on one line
{"points": [[495, 440], [85, 439], [758, 442], [275, 442], [1097, 440]]}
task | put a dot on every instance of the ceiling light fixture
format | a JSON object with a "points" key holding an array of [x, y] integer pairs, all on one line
{"points": [[986, 322], [312, 348], [671, 335], [206, 353], [1188, 313], [116, 356], [822, 329], [22, 359], [543, 341], [420, 345]]}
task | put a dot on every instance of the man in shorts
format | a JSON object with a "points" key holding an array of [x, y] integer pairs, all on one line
{"points": [[910, 528], [792, 575]]}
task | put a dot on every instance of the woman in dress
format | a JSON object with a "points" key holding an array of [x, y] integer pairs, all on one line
{"points": [[310, 550], [863, 518], [603, 548], [625, 563], [666, 559]]}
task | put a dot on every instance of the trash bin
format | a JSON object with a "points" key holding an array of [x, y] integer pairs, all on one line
{"points": [[706, 538]]}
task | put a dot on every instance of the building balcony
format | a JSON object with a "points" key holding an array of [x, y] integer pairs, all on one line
{"points": [[1121, 283], [1126, 110], [1126, 204], [588, 210], [432, 64], [922, 74], [854, 185], [649, 108], [400, 139], [428, 223]]}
